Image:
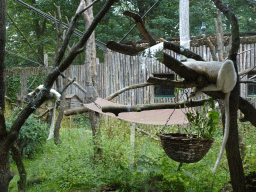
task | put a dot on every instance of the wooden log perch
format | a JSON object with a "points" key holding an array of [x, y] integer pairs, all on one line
{"points": [[133, 49], [80, 110], [145, 107], [123, 48], [181, 50], [165, 81], [185, 72], [75, 111]]}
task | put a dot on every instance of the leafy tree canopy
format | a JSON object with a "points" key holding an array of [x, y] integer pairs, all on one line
{"points": [[162, 21]]}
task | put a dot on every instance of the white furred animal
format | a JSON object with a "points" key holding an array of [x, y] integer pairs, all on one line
{"points": [[55, 97], [225, 82]]}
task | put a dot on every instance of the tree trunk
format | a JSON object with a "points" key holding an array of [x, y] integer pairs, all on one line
{"points": [[59, 118], [232, 147], [16, 155], [91, 77], [5, 174], [2, 51], [39, 33]]}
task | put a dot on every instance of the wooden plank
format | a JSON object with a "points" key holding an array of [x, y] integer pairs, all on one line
{"points": [[134, 79]]}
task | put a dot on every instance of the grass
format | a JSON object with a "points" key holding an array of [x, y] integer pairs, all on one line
{"points": [[70, 166]]}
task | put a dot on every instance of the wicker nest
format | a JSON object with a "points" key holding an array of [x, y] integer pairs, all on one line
{"points": [[183, 148]]}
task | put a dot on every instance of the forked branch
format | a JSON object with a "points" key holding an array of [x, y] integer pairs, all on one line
{"points": [[43, 96]]}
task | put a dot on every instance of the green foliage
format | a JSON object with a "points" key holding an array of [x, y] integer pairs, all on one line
{"points": [[162, 21], [82, 120], [32, 135], [70, 166], [249, 133], [13, 87], [204, 122]]}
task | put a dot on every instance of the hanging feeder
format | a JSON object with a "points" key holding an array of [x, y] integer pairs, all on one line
{"points": [[185, 148]]}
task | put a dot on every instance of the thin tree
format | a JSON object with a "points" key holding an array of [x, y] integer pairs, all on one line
{"points": [[7, 138]]}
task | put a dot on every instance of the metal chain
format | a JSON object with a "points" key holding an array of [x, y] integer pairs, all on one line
{"points": [[97, 105], [167, 120]]}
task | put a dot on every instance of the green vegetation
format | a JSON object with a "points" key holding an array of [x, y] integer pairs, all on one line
{"points": [[32, 136], [70, 165], [203, 122], [13, 87]]}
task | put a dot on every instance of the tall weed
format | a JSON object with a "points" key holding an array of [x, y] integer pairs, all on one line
{"points": [[71, 166]]}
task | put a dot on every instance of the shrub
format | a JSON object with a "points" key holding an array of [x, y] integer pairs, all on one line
{"points": [[32, 136]]}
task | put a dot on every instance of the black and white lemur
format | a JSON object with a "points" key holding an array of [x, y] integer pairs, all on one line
{"points": [[55, 98], [225, 81]]}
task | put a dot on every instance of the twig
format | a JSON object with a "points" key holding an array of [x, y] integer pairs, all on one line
{"points": [[146, 133], [44, 113], [244, 51], [113, 95], [83, 10]]}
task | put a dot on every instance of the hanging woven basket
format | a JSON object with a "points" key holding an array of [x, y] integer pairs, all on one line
{"points": [[183, 148]]}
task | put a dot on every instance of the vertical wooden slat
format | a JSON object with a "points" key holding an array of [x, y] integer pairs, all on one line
{"points": [[119, 71]]}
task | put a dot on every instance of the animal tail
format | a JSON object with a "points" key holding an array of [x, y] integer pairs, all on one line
{"points": [[52, 122], [226, 132]]}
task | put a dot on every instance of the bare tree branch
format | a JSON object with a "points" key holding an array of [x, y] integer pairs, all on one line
{"points": [[75, 111], [142, 28], [252, 69], [145, 107], [212, 50], [178, 83], [185, 72], [79, 110], [83, 10], [21, 168], [44, 113], [135, 86], [181, 50], [248, 110], [123, 48], [232, 145], [247, 81]]}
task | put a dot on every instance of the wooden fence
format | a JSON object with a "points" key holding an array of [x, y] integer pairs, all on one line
{"points": [[119, 71]]}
